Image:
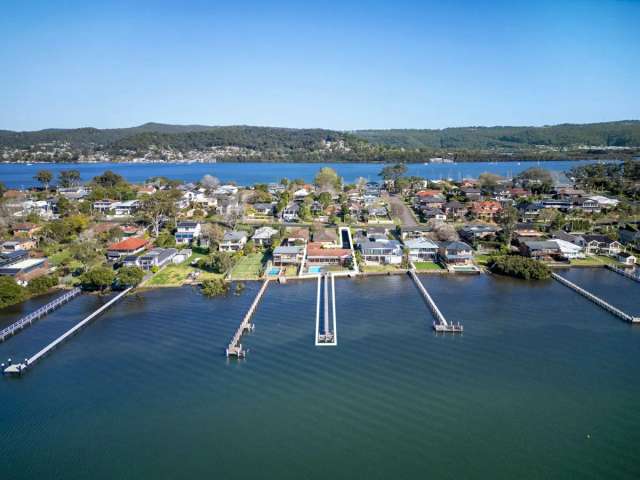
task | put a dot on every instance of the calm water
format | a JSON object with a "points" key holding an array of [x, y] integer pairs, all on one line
{"points": [[21, 175], [543, 384]]}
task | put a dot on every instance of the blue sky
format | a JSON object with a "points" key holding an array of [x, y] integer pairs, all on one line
{"points": [[343, 64]]}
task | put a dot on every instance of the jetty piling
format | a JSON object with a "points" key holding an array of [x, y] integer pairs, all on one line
{"points": [[17, 368], [597, 300], [440, 324], [28, 320], [234, 349]]}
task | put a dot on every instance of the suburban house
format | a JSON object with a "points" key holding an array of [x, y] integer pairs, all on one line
{"points": [[487, 210], [263, 235], [472, 193], [18, 265], [601, 245], [327, 237], [25, 229], [265, 209], [288, 255], [540, 249], [527, 230], [456, 253], [187, 232], [575, 238], [455, 209], [227, 205], [290, 212], [626, 258], [417, 231], [233, 241], [587, 205], [18, 243], [381, 250], [157, 257], [124, 209], [422, 250], [530, 211], [477, 231], [297, 235], [300, 194], [433, 213], [130, 246], [569, 250], [318, 255], [629, 235]]}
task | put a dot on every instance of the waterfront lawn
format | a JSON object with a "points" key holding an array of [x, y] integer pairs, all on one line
{"points": [[594, 261], [427, 266], [379, 268], [482, 259], [249, 266]]}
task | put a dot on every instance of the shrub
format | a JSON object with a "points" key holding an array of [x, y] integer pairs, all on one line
{"points": [[129, 276], [214, 287], [519, 267], [11, 292], [98, 278], [42, 284]]}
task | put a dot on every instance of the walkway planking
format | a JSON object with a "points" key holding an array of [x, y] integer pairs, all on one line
{"points": [[597, 300], [440, 323], [234, 349], [38, 314], [18, 368]]}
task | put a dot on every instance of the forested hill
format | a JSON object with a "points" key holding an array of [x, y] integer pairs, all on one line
{"points": [[613, 134], [178, 136]]}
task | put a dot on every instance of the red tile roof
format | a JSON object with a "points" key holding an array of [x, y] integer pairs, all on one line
{"points": [[316, 250], [129, 245]]}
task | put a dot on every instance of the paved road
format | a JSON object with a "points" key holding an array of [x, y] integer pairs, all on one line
{"points": [[399, 208]]}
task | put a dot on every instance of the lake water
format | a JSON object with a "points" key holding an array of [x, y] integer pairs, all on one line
{"points": [[543, 384], [21, 175]]}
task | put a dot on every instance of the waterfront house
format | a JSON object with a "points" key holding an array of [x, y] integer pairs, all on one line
{"points": [[233, 241], [575, 238], [130, 246], [290, 212], [455, 253], [540, 249], [380, 250], [182, 255], [569, 250], [263, 236], [288, 255], [422, 249], [317, 255], [602, 245], [187, 232], [626, 258], [158, 257]]}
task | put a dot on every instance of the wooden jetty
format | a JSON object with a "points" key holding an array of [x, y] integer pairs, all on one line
{"points": [[597, 300], [235, 347], [329, 336], [440, 324], [624, 273], [20, 367], [38, 314]]}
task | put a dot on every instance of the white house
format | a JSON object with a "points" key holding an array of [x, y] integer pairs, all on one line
{"points": [[422, 249], [233, 241], [187, 232], [124, 209], [569, 250], [263, 235]]}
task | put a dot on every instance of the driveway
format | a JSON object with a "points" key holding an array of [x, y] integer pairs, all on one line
{"points": [[399, 209]]}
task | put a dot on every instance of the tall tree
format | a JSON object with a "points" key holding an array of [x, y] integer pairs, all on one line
{"points": [[159, 208], [44, 177], [68, 178], [507, 219]]}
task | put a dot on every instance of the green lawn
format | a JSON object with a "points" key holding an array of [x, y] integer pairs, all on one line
{"points": [[595, 261], [380, 268], [249, 266], [427, 266]]}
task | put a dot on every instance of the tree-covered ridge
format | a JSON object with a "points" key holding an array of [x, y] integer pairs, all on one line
{"points": [[614, 134]]}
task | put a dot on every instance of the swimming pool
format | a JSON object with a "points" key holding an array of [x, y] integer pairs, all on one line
{"points": [[273, 271], [315, 269]]}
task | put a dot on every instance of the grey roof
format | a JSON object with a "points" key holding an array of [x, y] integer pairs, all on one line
{"points": [[541, 245], [420, 243], [287, 250], [457, 246], [234, 236]]}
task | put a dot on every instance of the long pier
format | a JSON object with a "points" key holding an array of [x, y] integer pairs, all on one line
{"points": [[235, 347], [597, 300], [17, 368], [329, 335], [38, 314], [440, 323], [624, 273]]}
